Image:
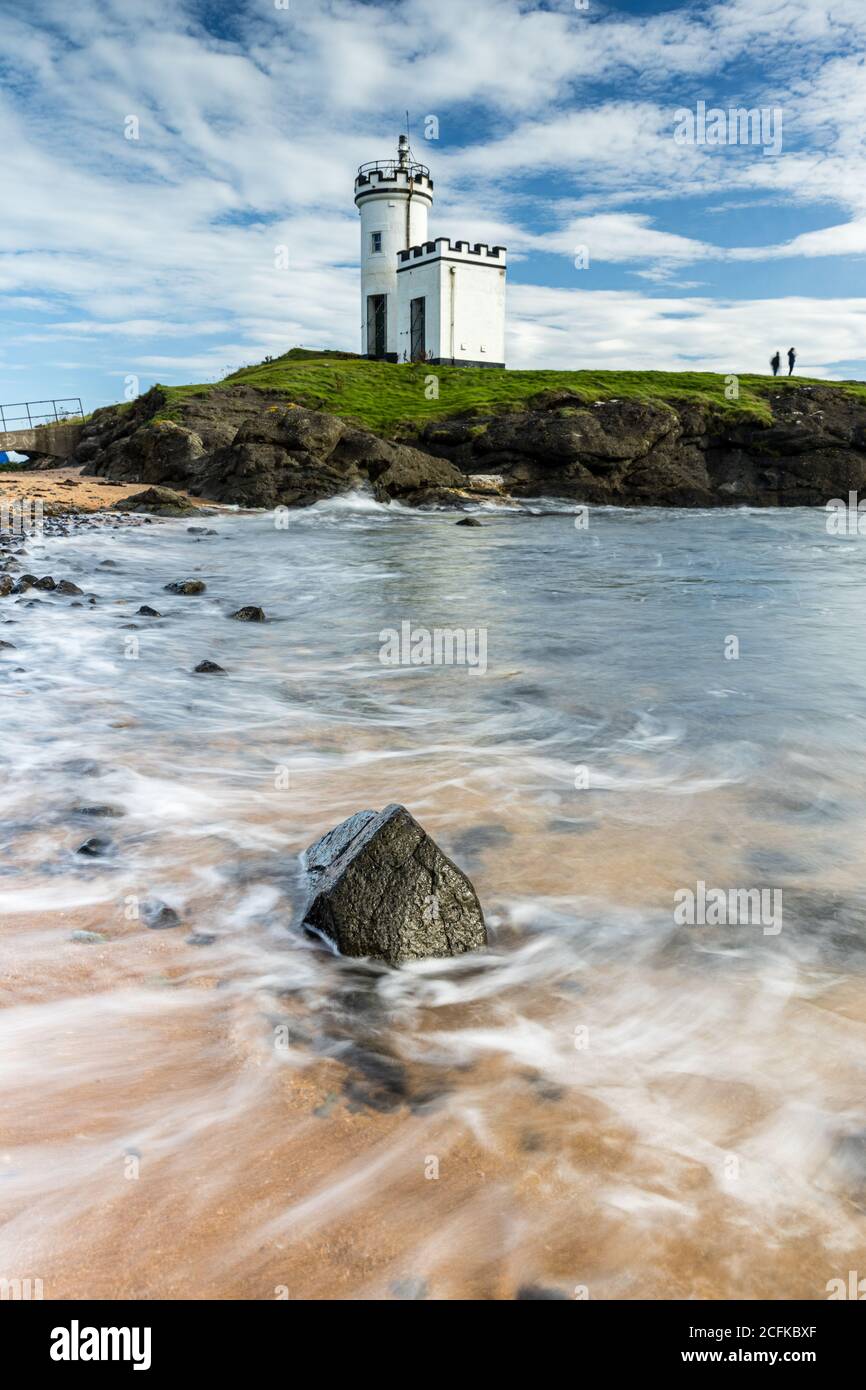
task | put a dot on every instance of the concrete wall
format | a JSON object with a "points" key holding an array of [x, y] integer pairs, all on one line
{"points": [[465, 294], [57, 440], [420, 281]]}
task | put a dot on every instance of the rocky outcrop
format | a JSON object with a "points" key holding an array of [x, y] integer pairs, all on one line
{"points": [[253, 448], [381, 887], [289, 456], [639, 452]]}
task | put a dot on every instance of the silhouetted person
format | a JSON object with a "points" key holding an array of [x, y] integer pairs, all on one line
{"points": [[775, 363], [792, 357]]}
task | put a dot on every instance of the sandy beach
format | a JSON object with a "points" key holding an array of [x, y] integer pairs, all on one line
{"points": [[62, 490]]}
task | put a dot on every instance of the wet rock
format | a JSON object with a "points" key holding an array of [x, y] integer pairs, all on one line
{"points": [[201, 938], [90, 938], [46, 583], [160, 501], [66, 586], [96, 847], [158, 915], [201, 531], [25, 581], [8, 647], [209, 668], [7, 584], [381, 887], [186, 586], [249, 615], [146, 612], [102, 812], [468, 521]]}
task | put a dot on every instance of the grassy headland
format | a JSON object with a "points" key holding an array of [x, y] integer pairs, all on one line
{"points": [[384, 396]]}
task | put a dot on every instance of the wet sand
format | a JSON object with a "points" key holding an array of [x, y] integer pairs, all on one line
{"points": [[65, 489], [602, 1105]]}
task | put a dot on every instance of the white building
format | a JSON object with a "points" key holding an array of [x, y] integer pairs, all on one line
{"points": [[423, 300]]}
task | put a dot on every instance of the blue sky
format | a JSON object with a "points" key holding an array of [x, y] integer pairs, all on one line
{"points": [[155, 258]]}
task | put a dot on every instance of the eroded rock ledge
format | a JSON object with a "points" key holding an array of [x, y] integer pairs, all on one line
{"points": [[255, 449]]}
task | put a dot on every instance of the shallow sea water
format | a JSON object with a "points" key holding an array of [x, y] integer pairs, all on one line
{"points": [[606, 1103]]}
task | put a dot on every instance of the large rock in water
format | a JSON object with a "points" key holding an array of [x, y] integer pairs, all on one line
{"points": [[381, 887], [161, 501]]}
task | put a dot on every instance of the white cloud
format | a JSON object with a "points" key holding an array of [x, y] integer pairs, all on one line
{"points": [[250, 141], [617, 329]]}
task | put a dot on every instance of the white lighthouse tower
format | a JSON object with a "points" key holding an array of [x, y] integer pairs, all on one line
{"points": [[393, 198], [423, 301]]}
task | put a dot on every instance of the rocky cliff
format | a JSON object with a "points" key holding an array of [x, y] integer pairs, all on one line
{"points": [[256, 449]]}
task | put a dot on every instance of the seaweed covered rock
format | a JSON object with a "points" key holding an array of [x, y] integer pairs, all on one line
{"points": [[161, 501]]}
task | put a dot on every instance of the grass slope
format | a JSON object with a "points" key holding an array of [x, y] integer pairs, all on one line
{"points": [[383, 396]]}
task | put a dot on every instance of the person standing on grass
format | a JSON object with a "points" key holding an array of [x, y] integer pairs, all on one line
{"points": [[792, 357], [775, 363]]}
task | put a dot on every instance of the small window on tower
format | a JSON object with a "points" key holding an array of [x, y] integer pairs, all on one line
{"points": [[377, 241]]}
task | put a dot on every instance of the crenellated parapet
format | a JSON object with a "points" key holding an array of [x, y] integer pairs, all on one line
{"points": [[443, 247], [388, 176]]}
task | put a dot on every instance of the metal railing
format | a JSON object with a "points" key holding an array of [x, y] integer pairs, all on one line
{"points": [[390, 167], [58, 413]]}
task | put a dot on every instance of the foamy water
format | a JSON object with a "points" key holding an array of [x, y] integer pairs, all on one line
{"points": [[606, 1103]]}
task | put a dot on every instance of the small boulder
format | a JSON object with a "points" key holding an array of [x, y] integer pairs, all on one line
{"points": [[66, 586], [468, 521], [381, 887], [209, 668], [158, 915], [250, 614], [96, 847], [160, 501], [186, 586], [146, 612]]}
